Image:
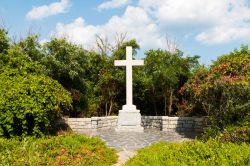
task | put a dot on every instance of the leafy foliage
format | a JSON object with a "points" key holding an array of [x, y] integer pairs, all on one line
{"points": [[18, 62], [29, 101], [192, 153], [30, 46], [164, 74], [67, 63], [97, 87], [223, 91], [4, 41], [67, 149], [106, 82], [234, 134]]}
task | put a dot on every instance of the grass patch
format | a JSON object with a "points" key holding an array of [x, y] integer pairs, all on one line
{"points": [[66, 149], [192, 153]]}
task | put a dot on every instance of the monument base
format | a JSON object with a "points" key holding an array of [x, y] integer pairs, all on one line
{"points": [[129, 119]]}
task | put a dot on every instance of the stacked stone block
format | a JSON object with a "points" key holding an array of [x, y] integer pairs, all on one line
{"points": [[164, 123], [182, 124], [152, 122], [90, 124]]}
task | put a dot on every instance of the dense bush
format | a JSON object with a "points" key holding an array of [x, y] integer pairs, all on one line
{"points": [[29, 105], [223, 91], [234, 133], [69, 149], [192, 153], [67, 63], [29, 101]]}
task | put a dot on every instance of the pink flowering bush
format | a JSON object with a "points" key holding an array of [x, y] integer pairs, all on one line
{"points": [[223, 91]]}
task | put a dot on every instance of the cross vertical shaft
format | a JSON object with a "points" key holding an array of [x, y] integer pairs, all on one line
{"points": [[128, 63], [129, 76]]}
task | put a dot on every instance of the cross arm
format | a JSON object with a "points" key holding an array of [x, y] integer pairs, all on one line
{"points": [[137, 62], [129, 62], [120, 62]]}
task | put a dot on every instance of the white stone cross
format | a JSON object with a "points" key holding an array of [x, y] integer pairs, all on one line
{"points": [[129, 62]]}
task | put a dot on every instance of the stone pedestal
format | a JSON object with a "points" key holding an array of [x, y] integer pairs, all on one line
{"points": [[129, 119]]}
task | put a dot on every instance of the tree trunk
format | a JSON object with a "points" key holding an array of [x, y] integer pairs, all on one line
{"points": [[170, 102], [110, 107], [154, 101], [165, 104], [155, 109], [106, 109]]}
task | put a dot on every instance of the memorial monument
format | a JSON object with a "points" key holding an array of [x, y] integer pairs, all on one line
{"points": [[129, 118]]}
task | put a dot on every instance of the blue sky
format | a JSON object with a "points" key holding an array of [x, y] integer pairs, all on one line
{"points": [[198, 27]]}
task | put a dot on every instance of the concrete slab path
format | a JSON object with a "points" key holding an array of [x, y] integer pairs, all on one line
{"points": [[126, 143], [136, 140]]}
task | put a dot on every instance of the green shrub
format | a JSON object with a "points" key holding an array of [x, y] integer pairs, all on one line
{"points": [[192, 153], [29, 101], [30, 104], [234, 134], [14, 62], [223, 91], [67, 149]]}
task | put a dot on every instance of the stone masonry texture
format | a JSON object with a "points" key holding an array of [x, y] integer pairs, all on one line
{"points": [[163, 123]]}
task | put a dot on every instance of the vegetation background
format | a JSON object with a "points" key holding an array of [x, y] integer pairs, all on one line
{"points": [[40, 82]]}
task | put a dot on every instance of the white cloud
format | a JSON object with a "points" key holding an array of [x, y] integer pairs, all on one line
{"points": [[77, 31], [48, 10], [209, 22], [180, 11], [224, 34], [213, 21], [134, 22], [233, 25], [112, 4]]}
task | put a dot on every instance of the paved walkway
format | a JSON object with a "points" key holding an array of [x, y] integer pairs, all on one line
{"points": [[124, 156], [126, 143], [134, 140]]}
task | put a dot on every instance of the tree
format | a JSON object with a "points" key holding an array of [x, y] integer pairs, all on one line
{"points": [[31, 47], [171, 45], [102, 45], [95, 65], [166, 72], [4, 41], [110, 85], [67, 63]]}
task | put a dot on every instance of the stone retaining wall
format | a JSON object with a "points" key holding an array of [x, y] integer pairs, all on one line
{"points": [[152, 122], [181, 124], [87, 124], [164, 123]]}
